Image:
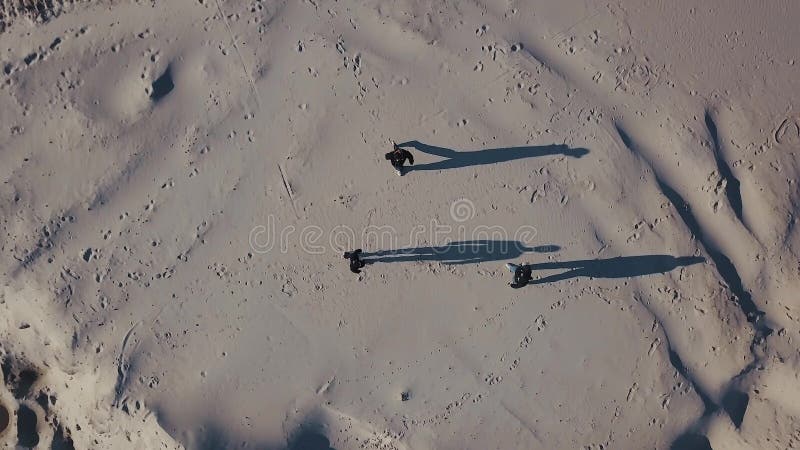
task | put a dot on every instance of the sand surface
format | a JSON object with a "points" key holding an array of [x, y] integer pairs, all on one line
{"points": [[180, 179]]}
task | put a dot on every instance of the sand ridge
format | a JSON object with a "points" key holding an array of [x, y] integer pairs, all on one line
{"points": [[180, 181]]}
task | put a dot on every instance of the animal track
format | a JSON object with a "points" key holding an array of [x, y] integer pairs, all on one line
{"points": [[492, 379], [346, 200]]}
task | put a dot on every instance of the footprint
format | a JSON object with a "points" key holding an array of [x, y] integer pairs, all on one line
{"points": [[491, 379], [340, 46], [653, 347], [632, 391], [788, 131]]}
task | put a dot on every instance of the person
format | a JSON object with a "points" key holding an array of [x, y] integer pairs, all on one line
{"points": [[522, 274], [355, 260], [398, 157]]}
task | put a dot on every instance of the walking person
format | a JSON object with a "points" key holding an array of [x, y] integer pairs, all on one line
{"points": [[522, 274], [398, 157], [355, 260]]}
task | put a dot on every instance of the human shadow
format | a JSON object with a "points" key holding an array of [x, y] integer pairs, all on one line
{"points": [[458, 252], [456, 159], [619, 267]]}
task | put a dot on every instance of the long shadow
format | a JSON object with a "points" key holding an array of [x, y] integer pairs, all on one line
{"points": [[620, 267], [459, 252], [456, 159]]}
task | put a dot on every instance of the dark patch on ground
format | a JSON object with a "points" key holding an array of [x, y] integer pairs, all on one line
{"points": [[5, 418], [162, 86], [24, 383], [310, 440], [27, 434], [735, 404], [62, 440], [691, 441]]}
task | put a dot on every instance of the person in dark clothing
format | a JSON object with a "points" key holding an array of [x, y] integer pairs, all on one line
{"points": [[355, 260], [398, 157], [522, 274]]}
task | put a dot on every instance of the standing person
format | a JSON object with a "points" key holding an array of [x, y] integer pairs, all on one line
{"points": [[355, 260], [522, 274], [398, 157]]}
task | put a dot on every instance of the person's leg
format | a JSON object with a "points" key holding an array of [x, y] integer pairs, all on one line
{"points": [[527, 274]]}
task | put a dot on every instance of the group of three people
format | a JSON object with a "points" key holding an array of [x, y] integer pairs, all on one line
{"points": [[398, 157], [522, 272]]}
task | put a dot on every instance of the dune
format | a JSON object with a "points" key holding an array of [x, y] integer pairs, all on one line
{"points": [[181, 180]]}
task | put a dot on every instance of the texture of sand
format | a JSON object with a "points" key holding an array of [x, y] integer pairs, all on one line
{"points": [[180, 179]]}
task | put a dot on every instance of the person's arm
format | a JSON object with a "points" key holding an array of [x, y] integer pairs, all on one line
{"points": [[410, 157], [388, 155]]}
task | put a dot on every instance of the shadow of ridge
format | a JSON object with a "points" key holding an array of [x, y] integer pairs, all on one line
{"points": [[619, 267], [456, 159], [735, 404], [691, 441], [308, 435], [458, 252], [207, 436], [162, 86], [309, 438], [27, 427]]}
